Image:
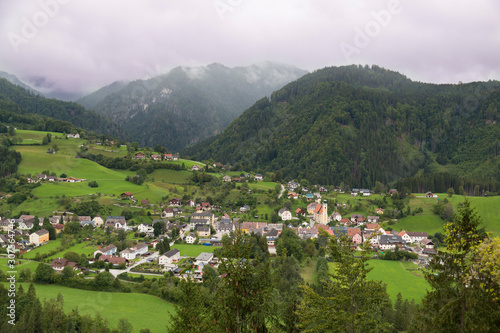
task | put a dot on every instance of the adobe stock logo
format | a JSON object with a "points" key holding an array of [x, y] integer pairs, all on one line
{"points": [[31, 26], [372, 29]]}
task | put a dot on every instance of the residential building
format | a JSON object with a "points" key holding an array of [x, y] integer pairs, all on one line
{"points": [[285, 214], [107, 250], [133, 252], [39, 237], [169, 257]]}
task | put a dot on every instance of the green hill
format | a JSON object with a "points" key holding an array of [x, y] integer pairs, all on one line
{"points": [[358, 125]]}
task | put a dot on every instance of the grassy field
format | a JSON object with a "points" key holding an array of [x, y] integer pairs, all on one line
{"points": [[78, 248], [399, 279], [23, 264], [137, 308], [50, 246], [191, 250], [430, 223], [171, 176]]}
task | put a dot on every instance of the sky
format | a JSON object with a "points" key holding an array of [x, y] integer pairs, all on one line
{"points": [[79, 46]]}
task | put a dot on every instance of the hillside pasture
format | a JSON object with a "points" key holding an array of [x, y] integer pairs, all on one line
{"points": [[112, 306], [191, 250], [44, 249]]}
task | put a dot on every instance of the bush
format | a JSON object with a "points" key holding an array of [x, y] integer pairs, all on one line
{"points": [[93, 184]]}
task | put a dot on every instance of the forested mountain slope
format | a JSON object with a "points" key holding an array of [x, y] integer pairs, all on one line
{"points": [[357, 125], [187, 105], [22, 106]]}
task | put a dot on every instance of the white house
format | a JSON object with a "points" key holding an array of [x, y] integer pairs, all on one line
{"points": [[98, 221], [285, 214], [190, 238], [404, 235], [170, 257], [417, 236], [133, 252], [336, 217], [143, 227], [204, 258]]}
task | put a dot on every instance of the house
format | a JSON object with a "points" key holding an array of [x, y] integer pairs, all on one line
{"points": [[285, 214], [190, 238], [323, 189], [226, 178], [203, 258], [258, 177], [356, 217], [299, 211], [115, 222], [133, 252], [430, 195], [204, 216], [24, 225], [115, 260], [31, 180], [373, 219], [355, 235], [59, 228], [98, 221], [171, 157], [74, 136], [225, 226], [203, 230], [372, 226], [244, 208], [379, 211], [4, 241], [86, 223], [366, 193], [127, 195], [387, 242], [170, 257], [5, 225], [309, 196], [196, 167], [39, 237], [427, 243], [42, 176], [271, 237], [156, 157], [336, 217], [416, 236], [404, 235], [345, 221], [247, 226], [58, 264], [176, 202], [167, 212], [206, 206], [143, 227], [191, 203], [107, 250], [139, 156], [393, 191], [293, 195]]}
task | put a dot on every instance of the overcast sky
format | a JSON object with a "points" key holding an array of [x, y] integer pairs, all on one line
{"points": [[79, 46]]}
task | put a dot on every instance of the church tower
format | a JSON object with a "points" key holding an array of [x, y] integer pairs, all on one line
{"points": [[324, 218]]}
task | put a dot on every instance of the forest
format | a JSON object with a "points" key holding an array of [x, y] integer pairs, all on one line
{"points": [[359, 125]]}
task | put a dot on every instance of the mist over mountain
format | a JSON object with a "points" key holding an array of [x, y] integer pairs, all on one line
{"points": [[188, 104], [357, 125], [14, 80]]}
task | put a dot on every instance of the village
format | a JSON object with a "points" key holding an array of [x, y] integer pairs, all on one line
{"points": [[202, 223]]}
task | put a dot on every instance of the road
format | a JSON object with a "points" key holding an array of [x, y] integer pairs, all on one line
{"points": [[115, 272], [282, 190]]}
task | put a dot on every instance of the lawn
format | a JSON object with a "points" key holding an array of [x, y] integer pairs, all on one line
{"points": [[78, 248], [50, 246], [191, 250], [137, 308], [23, 264], [399, 279], [171, 176], [430, 223]]}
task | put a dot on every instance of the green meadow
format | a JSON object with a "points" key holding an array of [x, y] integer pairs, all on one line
{"points": [[20, 265], [50, 246], [398, 278], [83, 247], [142, 311], [191, 250]]}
